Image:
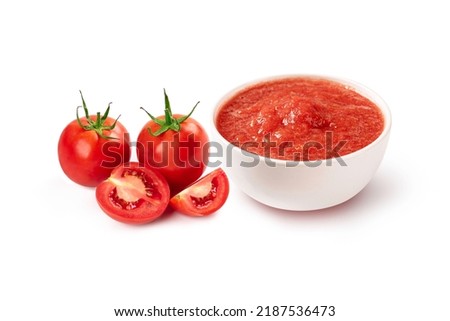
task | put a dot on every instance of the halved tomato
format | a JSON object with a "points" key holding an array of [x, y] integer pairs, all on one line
{"points": [[204, 196], [133, 194]]}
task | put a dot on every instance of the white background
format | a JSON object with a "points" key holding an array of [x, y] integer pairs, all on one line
{"points": [[381, 256]]}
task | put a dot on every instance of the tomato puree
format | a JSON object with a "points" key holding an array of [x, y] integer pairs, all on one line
{"points": [[300, 118]]}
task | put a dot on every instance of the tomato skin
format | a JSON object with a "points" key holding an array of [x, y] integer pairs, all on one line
{"points": [[88, 159], [180, 156], [204, 197], [130, 179]]}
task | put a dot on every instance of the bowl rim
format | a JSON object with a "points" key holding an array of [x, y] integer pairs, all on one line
{"points": [[351, 84]]}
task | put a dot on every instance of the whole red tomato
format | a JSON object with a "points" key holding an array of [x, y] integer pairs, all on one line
{"points": [[175, 145], [91, 147]]}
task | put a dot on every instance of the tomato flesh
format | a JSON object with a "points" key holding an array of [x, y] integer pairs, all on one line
{"points": [[133, 194], [204, 197]]}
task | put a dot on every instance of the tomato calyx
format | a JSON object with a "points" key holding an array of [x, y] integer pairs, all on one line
{"points": [[97, 125], [169, 122]]}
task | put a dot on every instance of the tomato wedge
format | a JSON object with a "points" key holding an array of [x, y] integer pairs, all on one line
{"points": [[204, 196], [133, 194]]}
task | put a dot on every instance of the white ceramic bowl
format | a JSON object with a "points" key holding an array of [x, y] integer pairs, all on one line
{"points": [[304, 187]]}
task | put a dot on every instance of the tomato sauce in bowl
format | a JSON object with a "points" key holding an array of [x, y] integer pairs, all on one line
{"points": [[282, 137], [299, 118]]}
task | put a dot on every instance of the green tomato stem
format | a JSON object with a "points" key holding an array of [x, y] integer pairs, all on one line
{"points": [[99, 124], [169, 122]]}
